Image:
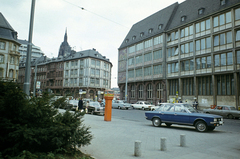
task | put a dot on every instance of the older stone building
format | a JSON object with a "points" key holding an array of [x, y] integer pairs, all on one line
{"points": [[86, 72], [9, 54], [189, 50]]}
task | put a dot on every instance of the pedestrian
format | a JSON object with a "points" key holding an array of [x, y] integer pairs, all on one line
{"points": [[80, 105], [195, 103], [86, 109]]}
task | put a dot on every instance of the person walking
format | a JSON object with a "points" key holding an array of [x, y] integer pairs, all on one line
{"points": [[80, 105], [195, 103]]}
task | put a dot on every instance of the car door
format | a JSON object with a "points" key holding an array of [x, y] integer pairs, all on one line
{"points": [[165, 113], [218, 110], [180, 115]]}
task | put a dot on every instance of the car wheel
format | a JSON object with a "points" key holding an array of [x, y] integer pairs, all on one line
{"points": [[201, 126], [207, 113], [156, 122], [230, 116], [153, 109], [119, 107], [211, 128], [168, 124], [143, 108], [126, 108]]}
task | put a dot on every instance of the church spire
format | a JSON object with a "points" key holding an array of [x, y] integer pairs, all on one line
{"points": [[65, 36]]}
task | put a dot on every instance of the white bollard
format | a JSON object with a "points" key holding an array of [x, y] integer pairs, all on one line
{"points": [[163, 144], [183, 140], [137, 148]]}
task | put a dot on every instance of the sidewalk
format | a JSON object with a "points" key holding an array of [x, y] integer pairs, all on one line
{"points": [[115, 140]]}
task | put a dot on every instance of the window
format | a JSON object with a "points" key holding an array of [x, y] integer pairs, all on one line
{"points": [[160, 26], [93, 62], [11, 73], [237, 14], [187, 65], [138, 72], [238, 35], [216, 60], [157, 54], [140, 91], [148, 43], [126, 41], [188, 86], [238, 57], [224, 59], [130, 61], [222, 19], [200, 11], [139, 46], [157, 69], [229, 58], [139, 59], [173, 87], [209, 62], [158, 40], [205, 85], [149, 91], [132, 92], [183, 18], [148, 71], [150, 31], [148, 57], [92, 71], [225, 85], [92, 81], [222, 2], [12, 60], [202, 26], [131, 49], [1, 58], [2, 45], [134, 37], [131, 74], [141, 34], [173, 67], [98, 63], [172, 51]]}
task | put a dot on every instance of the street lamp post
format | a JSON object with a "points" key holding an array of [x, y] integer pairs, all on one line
{"points": [[26, 86], [126, 79]]}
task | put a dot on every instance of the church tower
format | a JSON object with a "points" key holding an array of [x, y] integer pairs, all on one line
{"points": [[65, 48]]}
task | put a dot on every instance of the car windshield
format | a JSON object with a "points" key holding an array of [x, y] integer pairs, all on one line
{"points": [[95, 104], [190, 108], [146, 102], [232, 108]]}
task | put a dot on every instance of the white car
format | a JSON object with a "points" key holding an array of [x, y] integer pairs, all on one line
{"points": [[142, 105], [158, 106]]}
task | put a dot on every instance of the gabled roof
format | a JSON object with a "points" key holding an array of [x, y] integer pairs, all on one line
{"points": [[161, 17], [189, 8], [6, 30], [24, 42]]}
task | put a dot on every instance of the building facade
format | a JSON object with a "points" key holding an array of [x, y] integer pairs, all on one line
{"points": [[36, 51], [86, 73], [191, 52], [9, 54]]}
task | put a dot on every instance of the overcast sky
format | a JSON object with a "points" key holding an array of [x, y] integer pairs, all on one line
{"points": [[103, 24]]}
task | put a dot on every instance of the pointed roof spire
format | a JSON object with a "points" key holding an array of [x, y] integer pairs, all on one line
{"points": [[65, 36]]}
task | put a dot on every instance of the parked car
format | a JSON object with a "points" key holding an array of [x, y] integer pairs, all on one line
{"points": [[72, 105], [95, 108], [120, 104], [183, 114], [142, 105], [157, 106], [85, 100], [225, 111]]}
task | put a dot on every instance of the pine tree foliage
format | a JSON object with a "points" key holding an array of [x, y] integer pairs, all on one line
{"points": [[35, 125]]}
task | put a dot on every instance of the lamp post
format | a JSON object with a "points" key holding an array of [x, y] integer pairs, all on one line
{"points": [[26, 85], [126, 80], [35, 77]]}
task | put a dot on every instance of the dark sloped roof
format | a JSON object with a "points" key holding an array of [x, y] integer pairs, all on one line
{"points": [[151, 22], [6, 31], [189, 8], [24, 42]]}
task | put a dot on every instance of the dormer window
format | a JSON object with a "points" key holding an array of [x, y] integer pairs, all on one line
{"points": [[126, 41], [141, 34], [134, 37], [150, 31], [222, 2], [183, 18], [160, 26], [200, 11]]}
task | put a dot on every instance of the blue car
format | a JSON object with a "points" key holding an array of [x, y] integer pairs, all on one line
{"points": [[183, 114]]}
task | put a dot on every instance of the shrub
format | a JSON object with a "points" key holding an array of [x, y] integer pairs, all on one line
{"points": [[36, 126]]}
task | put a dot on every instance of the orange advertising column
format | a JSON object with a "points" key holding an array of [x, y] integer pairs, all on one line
{"points": [[108, 108]]}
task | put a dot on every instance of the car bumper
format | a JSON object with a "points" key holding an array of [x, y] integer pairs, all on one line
{"points": [[217, 123]]}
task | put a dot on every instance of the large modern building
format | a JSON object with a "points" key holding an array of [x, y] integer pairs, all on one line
{"points": [[189, 50], [85, 73], [36, 51], [9, 54]]}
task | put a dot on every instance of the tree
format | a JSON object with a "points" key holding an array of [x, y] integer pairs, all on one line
{"points": [[35, 125]]}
